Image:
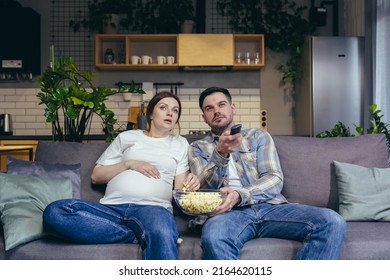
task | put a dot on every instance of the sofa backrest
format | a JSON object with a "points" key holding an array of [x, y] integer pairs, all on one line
{"points": [[307, 164], [71, 153]]}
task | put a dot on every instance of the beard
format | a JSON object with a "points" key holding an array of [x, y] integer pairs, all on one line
{"points": [[218, 129]]}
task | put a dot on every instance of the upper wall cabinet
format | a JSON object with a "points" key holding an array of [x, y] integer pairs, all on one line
{"points": [[205, 49], [179, 51]]}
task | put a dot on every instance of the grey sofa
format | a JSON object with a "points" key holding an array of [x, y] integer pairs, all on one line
{"points": [[308, 168]]}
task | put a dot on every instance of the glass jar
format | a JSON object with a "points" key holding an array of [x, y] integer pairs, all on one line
{"points": [[109, 56]]}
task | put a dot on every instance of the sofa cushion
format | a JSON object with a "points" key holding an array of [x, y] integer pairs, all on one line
{"points": [[52, 170], [366, 241], [307, 164], [22, 201], [364, 193], [85, 154]]}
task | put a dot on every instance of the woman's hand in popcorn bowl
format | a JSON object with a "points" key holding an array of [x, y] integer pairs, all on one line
{"points": [[191, 183]]}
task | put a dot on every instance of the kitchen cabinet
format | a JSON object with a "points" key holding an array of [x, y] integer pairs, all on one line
{"points": [[188, 50], [220, 50], [21, 154], [136, 45], [206, 50], [249, 43]]}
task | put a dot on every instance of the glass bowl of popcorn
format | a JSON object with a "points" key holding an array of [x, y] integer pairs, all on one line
{"points": [[202, 202]]}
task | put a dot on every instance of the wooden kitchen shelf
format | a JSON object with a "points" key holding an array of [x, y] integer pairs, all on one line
{"points": [[187, 49], [139, 45], [249, 43]]}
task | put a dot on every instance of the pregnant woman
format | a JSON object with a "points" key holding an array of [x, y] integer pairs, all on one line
{"points": [[140, 167]]}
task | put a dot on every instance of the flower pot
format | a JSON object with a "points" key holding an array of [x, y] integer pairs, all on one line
{"points": [[187, 26], [111, 23], [127, 96]]}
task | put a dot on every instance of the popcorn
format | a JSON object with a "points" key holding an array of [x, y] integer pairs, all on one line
{"points": [[200, 202]]}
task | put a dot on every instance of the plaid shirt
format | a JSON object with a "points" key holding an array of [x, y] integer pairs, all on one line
{"points": [[257, 164]]}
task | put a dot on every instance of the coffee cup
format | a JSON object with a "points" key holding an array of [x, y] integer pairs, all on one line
{"points": [[170, 59], [161, 60], [146, 59], [135, 59]]}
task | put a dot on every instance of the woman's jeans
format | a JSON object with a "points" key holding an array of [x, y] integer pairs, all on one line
{"points": [[321, 230], [152, 227]]}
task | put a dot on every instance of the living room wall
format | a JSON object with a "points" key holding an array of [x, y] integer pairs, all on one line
{"points": [[277, 100]]}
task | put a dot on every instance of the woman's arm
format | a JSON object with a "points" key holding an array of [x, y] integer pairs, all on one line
{"points": [[101, 174]]}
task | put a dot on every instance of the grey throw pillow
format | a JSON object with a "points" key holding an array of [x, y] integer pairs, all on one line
{"points": [[22, 201], [364, 193], [51, 170]]}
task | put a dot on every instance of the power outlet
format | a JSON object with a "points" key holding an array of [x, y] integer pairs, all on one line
{"points": [[264, 119]]}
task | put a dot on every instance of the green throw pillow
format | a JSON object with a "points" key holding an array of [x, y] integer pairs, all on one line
{"points": [[364, 193], [22, 201]]}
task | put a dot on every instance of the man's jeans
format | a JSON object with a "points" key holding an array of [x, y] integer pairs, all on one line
{"points": [[152, 227], [321, 230]]}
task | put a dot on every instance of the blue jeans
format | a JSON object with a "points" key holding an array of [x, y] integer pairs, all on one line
{"points": [[152, 227], [321, 230]]}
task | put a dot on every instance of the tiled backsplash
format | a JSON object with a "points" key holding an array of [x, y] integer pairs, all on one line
{"points": [[28, 119]]}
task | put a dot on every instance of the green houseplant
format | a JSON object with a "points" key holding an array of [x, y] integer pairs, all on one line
{"points": [[281, 22], [71, 100], [377, 127]]}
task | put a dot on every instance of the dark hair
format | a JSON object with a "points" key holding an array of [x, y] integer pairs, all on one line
{"points": [[157, 98], [211, 90]]}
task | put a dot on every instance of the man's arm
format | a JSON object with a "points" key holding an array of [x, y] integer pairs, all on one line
{"points": [[265, 176], [206, 163]]}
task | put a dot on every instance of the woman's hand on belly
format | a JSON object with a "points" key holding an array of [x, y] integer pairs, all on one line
{"points": [[144, 168]]}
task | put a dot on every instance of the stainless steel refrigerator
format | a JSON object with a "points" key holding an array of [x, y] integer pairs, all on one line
{"points": [[332, 86]]}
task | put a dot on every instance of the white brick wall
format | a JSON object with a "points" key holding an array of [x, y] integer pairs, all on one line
{"points": [[28, 119]]}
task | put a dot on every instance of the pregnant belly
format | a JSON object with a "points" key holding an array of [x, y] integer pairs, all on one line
{"points": [[134, 186]]}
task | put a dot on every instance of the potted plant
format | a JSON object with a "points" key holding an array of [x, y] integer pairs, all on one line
{"points": [[71, 100], [377, 127], [133, 88], [187, 26], [105, 16], [163, 17]]}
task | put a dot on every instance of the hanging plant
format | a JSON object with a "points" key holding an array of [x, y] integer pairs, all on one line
{"points": [[281, 22]]}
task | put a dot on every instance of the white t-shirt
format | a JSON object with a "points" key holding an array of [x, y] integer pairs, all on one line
{"points": [[169, 155], [234, 179]]}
